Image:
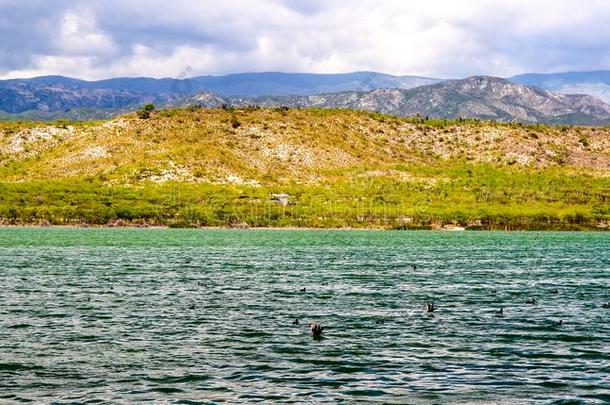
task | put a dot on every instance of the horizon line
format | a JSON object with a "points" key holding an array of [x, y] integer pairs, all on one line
{"points": [[298, 73]]}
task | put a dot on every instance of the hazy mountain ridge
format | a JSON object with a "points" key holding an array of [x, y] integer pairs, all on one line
{"points": [[478, 97], [595, 83], [481, 97], [58, 94]]}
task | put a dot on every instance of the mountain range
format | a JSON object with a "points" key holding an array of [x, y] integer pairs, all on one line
{"points": [[477, 97], [524, 98]]}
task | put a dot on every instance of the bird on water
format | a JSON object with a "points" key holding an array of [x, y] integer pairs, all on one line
{"points": [[500, 312], [316, 330], [430, 307], [296, 321]]}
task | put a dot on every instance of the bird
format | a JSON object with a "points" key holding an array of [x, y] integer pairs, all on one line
{"points": [[200, 284], [430, 307], [316, 330], [303, 289], [606, 305], [192, 306], [500, 312], [531, 302], [559, 323], [296, 321], [414, 267]]}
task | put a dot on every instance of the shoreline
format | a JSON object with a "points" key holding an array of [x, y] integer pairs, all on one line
{"points": [[295, 228]]}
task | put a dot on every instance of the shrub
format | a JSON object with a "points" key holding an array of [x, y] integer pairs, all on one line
{"points": [[144, 113], [584, 141]]}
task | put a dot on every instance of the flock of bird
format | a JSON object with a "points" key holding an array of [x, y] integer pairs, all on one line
{"points": [[316, 329]]}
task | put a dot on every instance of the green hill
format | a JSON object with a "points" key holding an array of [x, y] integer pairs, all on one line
{"points": [[218, 167]]}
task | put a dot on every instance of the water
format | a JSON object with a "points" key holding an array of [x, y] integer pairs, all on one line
{"points": [[205, 316]]}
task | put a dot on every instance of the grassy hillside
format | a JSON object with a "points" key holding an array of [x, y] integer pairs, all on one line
{"points": [[200, 167]]}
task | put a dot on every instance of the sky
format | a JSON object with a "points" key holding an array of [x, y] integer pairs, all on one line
{"points": [[180, 38]]}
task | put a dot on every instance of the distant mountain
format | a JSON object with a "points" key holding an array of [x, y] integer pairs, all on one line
{"points": [[595, 84], [479, 97], [55, 97], [18, 97], [298, 84], [49, 95]]}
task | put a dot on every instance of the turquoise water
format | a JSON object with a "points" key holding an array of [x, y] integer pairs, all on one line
{"points": [[206, 316]]}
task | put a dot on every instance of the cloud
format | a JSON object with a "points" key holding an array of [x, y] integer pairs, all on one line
{"points": [[441, 38], [79, 36]]}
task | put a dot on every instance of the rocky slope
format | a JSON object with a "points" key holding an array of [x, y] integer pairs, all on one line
{"points": [[249, 145], [479, 97]]}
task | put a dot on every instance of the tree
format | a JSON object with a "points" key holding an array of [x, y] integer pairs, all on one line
{"points": [[144, 113]]}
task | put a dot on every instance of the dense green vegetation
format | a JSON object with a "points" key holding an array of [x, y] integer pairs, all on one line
{"points": [[474, 196]]}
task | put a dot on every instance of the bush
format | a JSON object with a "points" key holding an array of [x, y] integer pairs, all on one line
{"points": [[144, 113], [584, 141]]}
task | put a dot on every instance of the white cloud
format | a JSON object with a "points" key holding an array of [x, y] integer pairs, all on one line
{"points": [[80, 36], [443, 38]]}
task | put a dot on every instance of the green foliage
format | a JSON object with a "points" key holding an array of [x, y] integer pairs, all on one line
{"points": [[146, 110], [475, 196], [584, 141]]}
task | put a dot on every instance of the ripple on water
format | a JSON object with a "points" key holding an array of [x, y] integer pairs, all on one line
{"points": [[195, 316]]}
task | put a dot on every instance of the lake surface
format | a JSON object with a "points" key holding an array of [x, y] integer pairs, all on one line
{"points": [[206, 316]]}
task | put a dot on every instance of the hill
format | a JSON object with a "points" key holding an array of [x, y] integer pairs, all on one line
{"points": [[195, 167]]}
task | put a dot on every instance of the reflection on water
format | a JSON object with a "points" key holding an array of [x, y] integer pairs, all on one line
{"points": [[208, 316]]}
